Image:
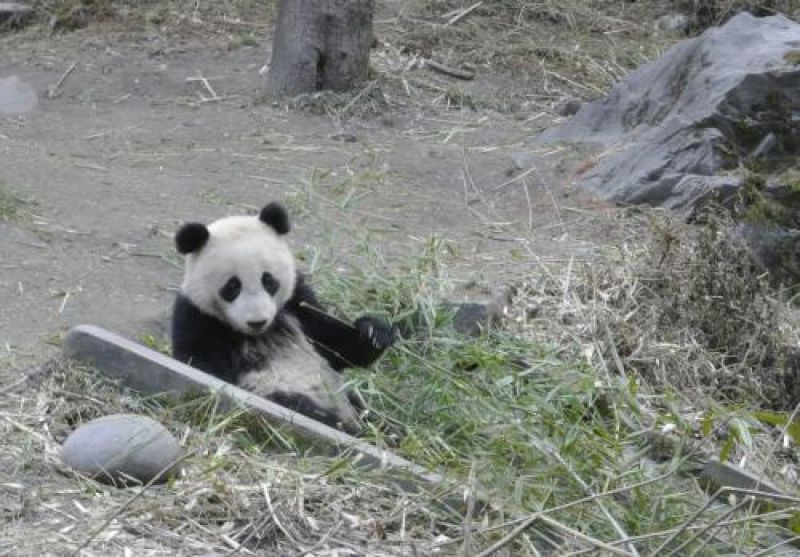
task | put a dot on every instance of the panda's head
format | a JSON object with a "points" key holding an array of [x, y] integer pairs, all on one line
{"points": [[239, 269]]}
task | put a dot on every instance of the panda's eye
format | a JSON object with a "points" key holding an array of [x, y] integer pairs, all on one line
{"points": [[231, 290], [269, 283]]}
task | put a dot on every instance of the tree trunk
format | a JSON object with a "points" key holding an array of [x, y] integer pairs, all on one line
{"points": [[320, 44]]}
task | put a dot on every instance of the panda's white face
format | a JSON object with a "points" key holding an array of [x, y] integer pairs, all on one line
{"points": [[243, 275]]}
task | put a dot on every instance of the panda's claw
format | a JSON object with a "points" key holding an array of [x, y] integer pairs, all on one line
{"points": [[380, 334]]}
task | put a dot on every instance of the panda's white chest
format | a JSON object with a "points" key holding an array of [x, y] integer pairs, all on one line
{"points": [[292, 366]]}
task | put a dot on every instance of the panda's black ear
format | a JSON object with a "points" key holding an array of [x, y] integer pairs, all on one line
{"points": [[191, 237], [275, 215]]}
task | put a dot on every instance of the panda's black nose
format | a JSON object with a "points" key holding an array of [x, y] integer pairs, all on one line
{"points": [[256, 325]]}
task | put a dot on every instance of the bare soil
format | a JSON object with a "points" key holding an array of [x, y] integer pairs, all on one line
{"points": [[128, 146]]}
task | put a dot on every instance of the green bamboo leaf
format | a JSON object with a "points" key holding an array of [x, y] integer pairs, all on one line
{"points": [[779, 419], [740, 430], [707, 424], [725, 452]]}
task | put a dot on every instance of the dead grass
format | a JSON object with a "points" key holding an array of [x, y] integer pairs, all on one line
{"points": [[239, 19], [367, 101], [692, 312], [246, 487], [681, 309], [556, 49]]}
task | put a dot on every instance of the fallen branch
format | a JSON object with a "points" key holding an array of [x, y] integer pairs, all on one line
{"points": [[447, 70], [458, 15], [54, 91], [205, 82]]}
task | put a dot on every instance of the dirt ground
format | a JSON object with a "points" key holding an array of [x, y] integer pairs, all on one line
{"points": [[112, 160]]}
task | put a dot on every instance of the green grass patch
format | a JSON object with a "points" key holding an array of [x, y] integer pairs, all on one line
{"points": [[242, 40], [13, 208], [534, 426]]}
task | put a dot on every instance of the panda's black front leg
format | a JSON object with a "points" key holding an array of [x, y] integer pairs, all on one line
{"points": [[345, 345], [342, 344]]}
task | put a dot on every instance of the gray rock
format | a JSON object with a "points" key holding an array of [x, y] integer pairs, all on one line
{"points": [[13, 13], [122, 449], [723, 474], [568, 108], [346, 137], [472, 318], [773, 247], [672, 126], [16, 96]]}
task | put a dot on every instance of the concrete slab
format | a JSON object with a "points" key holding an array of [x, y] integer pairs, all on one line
{"points": [[723, 474], [151, 372]]}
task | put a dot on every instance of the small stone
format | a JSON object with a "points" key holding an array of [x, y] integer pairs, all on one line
{"points": [[346, 137], [568, 108], [533, 310], [472, 318], [567, 317], [122, 449]]}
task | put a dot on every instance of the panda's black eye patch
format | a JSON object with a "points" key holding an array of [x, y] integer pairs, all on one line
{"points": [[269, 283], [231, 290]]}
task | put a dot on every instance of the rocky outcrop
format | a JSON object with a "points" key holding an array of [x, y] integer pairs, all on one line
{"points": [[706, 106], [695, 122]]}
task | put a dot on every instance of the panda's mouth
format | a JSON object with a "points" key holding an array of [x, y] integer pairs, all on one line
{"points": [[257, 327]]}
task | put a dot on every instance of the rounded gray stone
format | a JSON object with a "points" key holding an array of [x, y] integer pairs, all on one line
{"points": [[16, 96], [123, 449]]}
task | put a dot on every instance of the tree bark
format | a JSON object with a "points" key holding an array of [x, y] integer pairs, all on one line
{"points": [[320, 44]]}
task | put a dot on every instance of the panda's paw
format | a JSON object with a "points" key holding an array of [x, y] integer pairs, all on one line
{"points": [[377, 331]]}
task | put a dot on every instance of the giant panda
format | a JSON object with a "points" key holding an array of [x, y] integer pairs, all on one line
{"points": [[245, 315]]}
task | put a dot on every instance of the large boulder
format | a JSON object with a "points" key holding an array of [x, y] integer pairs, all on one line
{"points": [[679, 127]]}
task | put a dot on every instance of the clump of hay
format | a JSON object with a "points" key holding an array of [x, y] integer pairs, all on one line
{"points": [[534, 41], [365, 102], [694, 313]]}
